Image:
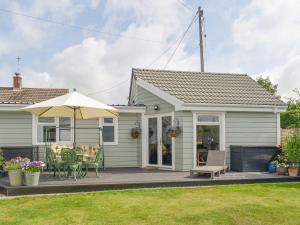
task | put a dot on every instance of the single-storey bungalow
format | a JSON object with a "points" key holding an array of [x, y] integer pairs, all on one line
{"points": [[208, 111]]}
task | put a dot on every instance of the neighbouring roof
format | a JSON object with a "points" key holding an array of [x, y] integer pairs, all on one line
{"points": [[209, 88], [29, 95]]}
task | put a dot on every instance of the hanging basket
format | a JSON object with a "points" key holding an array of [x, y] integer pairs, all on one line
{"points": [[173, 131], [135, 132]]}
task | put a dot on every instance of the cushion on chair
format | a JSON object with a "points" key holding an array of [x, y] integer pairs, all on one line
{"points": [[91, 150], [56, 149]]}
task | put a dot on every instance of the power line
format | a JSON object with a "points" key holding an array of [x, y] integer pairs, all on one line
{"points": [[78, 27], [185, 5], [169, 48], [183, 36], [164, 52], [112, 87]]}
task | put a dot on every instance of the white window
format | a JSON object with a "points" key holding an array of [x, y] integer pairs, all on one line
{"points": [[110, 130], [208, 118], [209, 134], [52, 129]]}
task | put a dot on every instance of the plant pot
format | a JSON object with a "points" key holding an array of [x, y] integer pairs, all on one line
{"points": [[15, 177], [32, 179], [272, 168], [281, 171], [293, 172]]}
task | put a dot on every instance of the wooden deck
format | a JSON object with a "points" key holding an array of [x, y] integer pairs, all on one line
{"points": [[126, 178]]}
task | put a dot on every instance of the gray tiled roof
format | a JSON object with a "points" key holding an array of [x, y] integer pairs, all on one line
{"points": [[29, 95], [211, 88]]}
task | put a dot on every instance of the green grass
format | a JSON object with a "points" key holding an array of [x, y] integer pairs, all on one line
{"points": [[237, 204]]}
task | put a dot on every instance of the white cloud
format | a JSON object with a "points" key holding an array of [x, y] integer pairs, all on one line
{"points": [[264, 42], [28, 33], [97, 63], [95, 3], [32, 78], [266, 37]]}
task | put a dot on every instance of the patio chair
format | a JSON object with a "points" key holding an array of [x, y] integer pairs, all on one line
{"points": [[94, 159], [215, 164], [71, 165], [52, 162]]}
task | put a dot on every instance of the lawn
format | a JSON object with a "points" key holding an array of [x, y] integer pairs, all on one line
{"points": [[237, 204]]}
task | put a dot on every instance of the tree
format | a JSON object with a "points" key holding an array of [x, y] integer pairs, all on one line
{"points": [[291, 118], [267, 84]]}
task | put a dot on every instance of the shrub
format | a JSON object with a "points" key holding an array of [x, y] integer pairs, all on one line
{"points": [[292, 147], [290, 119]]}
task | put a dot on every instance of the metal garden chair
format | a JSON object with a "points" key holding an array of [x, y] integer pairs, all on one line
{"points": [[94, 163], [71, 165], [52, 163]]}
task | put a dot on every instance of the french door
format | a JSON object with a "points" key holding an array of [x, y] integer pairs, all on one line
{"points": [[160, 145]]}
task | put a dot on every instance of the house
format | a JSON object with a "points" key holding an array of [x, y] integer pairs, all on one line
{"points": [[210, 111]]}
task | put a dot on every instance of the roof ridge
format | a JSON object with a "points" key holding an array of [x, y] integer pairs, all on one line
{"points": [[186, 71], [35, 88]]}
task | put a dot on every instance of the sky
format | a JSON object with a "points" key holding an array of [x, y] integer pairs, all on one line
{"points": [[92, 45]]}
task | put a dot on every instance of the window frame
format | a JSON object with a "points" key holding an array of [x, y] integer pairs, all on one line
{"points": [[36, 123], [114, 124], [221, 124]]}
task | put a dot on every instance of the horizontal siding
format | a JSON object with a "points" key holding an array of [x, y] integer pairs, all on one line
{"points": [[149, 100], [184, 142], [125, 153], [254, 129], [15, 129]]}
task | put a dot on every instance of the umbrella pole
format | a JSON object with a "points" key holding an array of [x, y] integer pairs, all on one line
{"points": [[74, 129]]}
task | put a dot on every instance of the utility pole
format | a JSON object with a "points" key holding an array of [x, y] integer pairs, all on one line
{"points": [[201, 20]]}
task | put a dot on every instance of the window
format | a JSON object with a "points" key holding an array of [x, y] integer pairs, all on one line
{"points": [[208, 135], [51, 129], [207, 118], [64, 129], [110, 131]]}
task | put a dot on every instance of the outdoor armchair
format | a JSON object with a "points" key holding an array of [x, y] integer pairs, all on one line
{"points": [[71, 165], [94, 159], [53, 162]]}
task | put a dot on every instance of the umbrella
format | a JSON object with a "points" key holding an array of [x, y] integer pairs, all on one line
{"points": [[74, 105]]}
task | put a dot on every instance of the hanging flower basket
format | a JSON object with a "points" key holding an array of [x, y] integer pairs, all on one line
{"points": [[173, 131], [136, 132]]}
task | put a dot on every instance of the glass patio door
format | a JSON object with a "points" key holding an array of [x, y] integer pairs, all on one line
{"points": [[166, 141], [152, 141], [207, 136], [159, 143]]}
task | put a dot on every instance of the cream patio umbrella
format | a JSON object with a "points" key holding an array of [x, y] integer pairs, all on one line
{"points": [[74, 105]]}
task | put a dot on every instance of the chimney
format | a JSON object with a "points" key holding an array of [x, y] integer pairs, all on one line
{"points": [[17, 82]]}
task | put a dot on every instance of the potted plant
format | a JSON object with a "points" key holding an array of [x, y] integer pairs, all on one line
{"points": [[292, 151], [173, 131], [136, 132], [272, 166], [282, 168], [1, 163], [32, 172], [14, 168], [293, 170]]}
